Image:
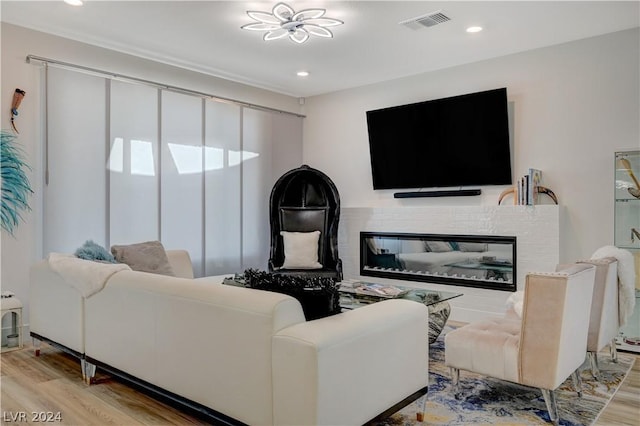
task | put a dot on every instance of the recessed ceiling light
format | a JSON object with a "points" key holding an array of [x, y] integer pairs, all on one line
{"points": [[74, 2], [474, 29], [303, 73]]}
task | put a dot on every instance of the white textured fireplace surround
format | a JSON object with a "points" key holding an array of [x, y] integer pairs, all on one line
{"points": [[538, 243]]}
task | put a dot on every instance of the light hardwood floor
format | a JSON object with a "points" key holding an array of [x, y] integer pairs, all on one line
{"points": [[53, 384], [624, 408]]}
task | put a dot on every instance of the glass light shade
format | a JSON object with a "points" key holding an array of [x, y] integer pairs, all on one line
{"points": [[264, 17], [299, 36], [275, 34], [318, 31], [260, 27], [324, 22], [308, 14], [282, 12]]}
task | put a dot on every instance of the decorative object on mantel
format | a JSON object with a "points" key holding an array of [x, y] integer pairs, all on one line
{"points": [[15, 104], [626, 165], [284, 21], [539, 190], [15, 184], [318, 296], [526, 191]]}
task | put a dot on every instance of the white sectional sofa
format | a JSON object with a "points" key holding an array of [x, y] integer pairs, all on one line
{"points": [[237, 355], [57, 308]]}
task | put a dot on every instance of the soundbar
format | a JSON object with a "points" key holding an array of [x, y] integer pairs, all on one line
{"points": [[444, 193]]}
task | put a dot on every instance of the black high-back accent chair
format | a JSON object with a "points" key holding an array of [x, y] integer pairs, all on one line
{"points": [[306, 200]]}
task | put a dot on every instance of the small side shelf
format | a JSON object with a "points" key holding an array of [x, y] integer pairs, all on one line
{"points": [[627, 232], [11, 316]]}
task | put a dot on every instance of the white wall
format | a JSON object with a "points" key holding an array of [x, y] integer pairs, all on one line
{"points": [[575, 104], [20, 252]]}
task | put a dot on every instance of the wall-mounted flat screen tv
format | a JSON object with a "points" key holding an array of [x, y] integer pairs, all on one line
{"points": [[449, 142]]}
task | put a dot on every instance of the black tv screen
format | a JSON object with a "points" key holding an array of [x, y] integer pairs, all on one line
{"points": [[456, 141]]}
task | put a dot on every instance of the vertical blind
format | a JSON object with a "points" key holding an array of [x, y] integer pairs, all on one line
{"points": [[131, 162]]}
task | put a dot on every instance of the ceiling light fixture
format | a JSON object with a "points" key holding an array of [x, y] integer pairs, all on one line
{"points": [[74, 2], [303, 73], [283, 21], [474, 29]]}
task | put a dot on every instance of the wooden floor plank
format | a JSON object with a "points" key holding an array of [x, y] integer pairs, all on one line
{"points": [[82, 407], [624, 408], [52, 382], [21, 361], [145, 410], [15, 397]]}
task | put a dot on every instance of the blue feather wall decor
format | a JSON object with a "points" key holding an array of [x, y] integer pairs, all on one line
{"points": [[15, 184]]}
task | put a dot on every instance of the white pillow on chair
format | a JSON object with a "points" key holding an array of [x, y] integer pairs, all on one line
{"points": [[301, 250]]}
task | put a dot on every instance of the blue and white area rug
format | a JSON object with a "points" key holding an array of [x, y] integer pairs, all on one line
{"points": [[489, 401]]}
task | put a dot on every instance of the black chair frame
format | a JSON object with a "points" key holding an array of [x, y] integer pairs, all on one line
{"points": [[305, 200]]}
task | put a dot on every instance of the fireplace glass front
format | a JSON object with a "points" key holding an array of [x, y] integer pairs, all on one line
{"points": [[467, 260]]}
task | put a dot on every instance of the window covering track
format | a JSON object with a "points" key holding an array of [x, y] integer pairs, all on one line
{"points": [[112, 75]]}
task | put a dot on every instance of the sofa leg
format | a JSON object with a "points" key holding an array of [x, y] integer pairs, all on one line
{"points": [[593, 361], [36, 346], [423, 406], [550, 401], [613, 350], [577, 382], [88, 371]]}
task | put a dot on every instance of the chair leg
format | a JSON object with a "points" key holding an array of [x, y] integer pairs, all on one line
{"points": [[613, 350], [593, 360], [577, 382], [550, 401], [455, 375], [455, 381]]}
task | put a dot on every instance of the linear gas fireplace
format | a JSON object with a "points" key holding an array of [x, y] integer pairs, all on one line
{"points": [[467, 260]]}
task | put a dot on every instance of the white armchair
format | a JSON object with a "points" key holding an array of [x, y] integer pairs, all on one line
{"points": [[604, 320], [542, 349]]}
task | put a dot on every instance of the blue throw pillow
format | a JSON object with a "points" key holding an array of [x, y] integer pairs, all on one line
{"points": [[93, 251]]}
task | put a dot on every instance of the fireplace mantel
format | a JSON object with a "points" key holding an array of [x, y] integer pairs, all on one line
{"points": [[537, 229]]}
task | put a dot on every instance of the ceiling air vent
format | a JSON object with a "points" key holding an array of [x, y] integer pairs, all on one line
{"points": [[428, 20]]}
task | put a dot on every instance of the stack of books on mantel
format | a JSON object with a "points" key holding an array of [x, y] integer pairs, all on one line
{"points": [[526, 189]]}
